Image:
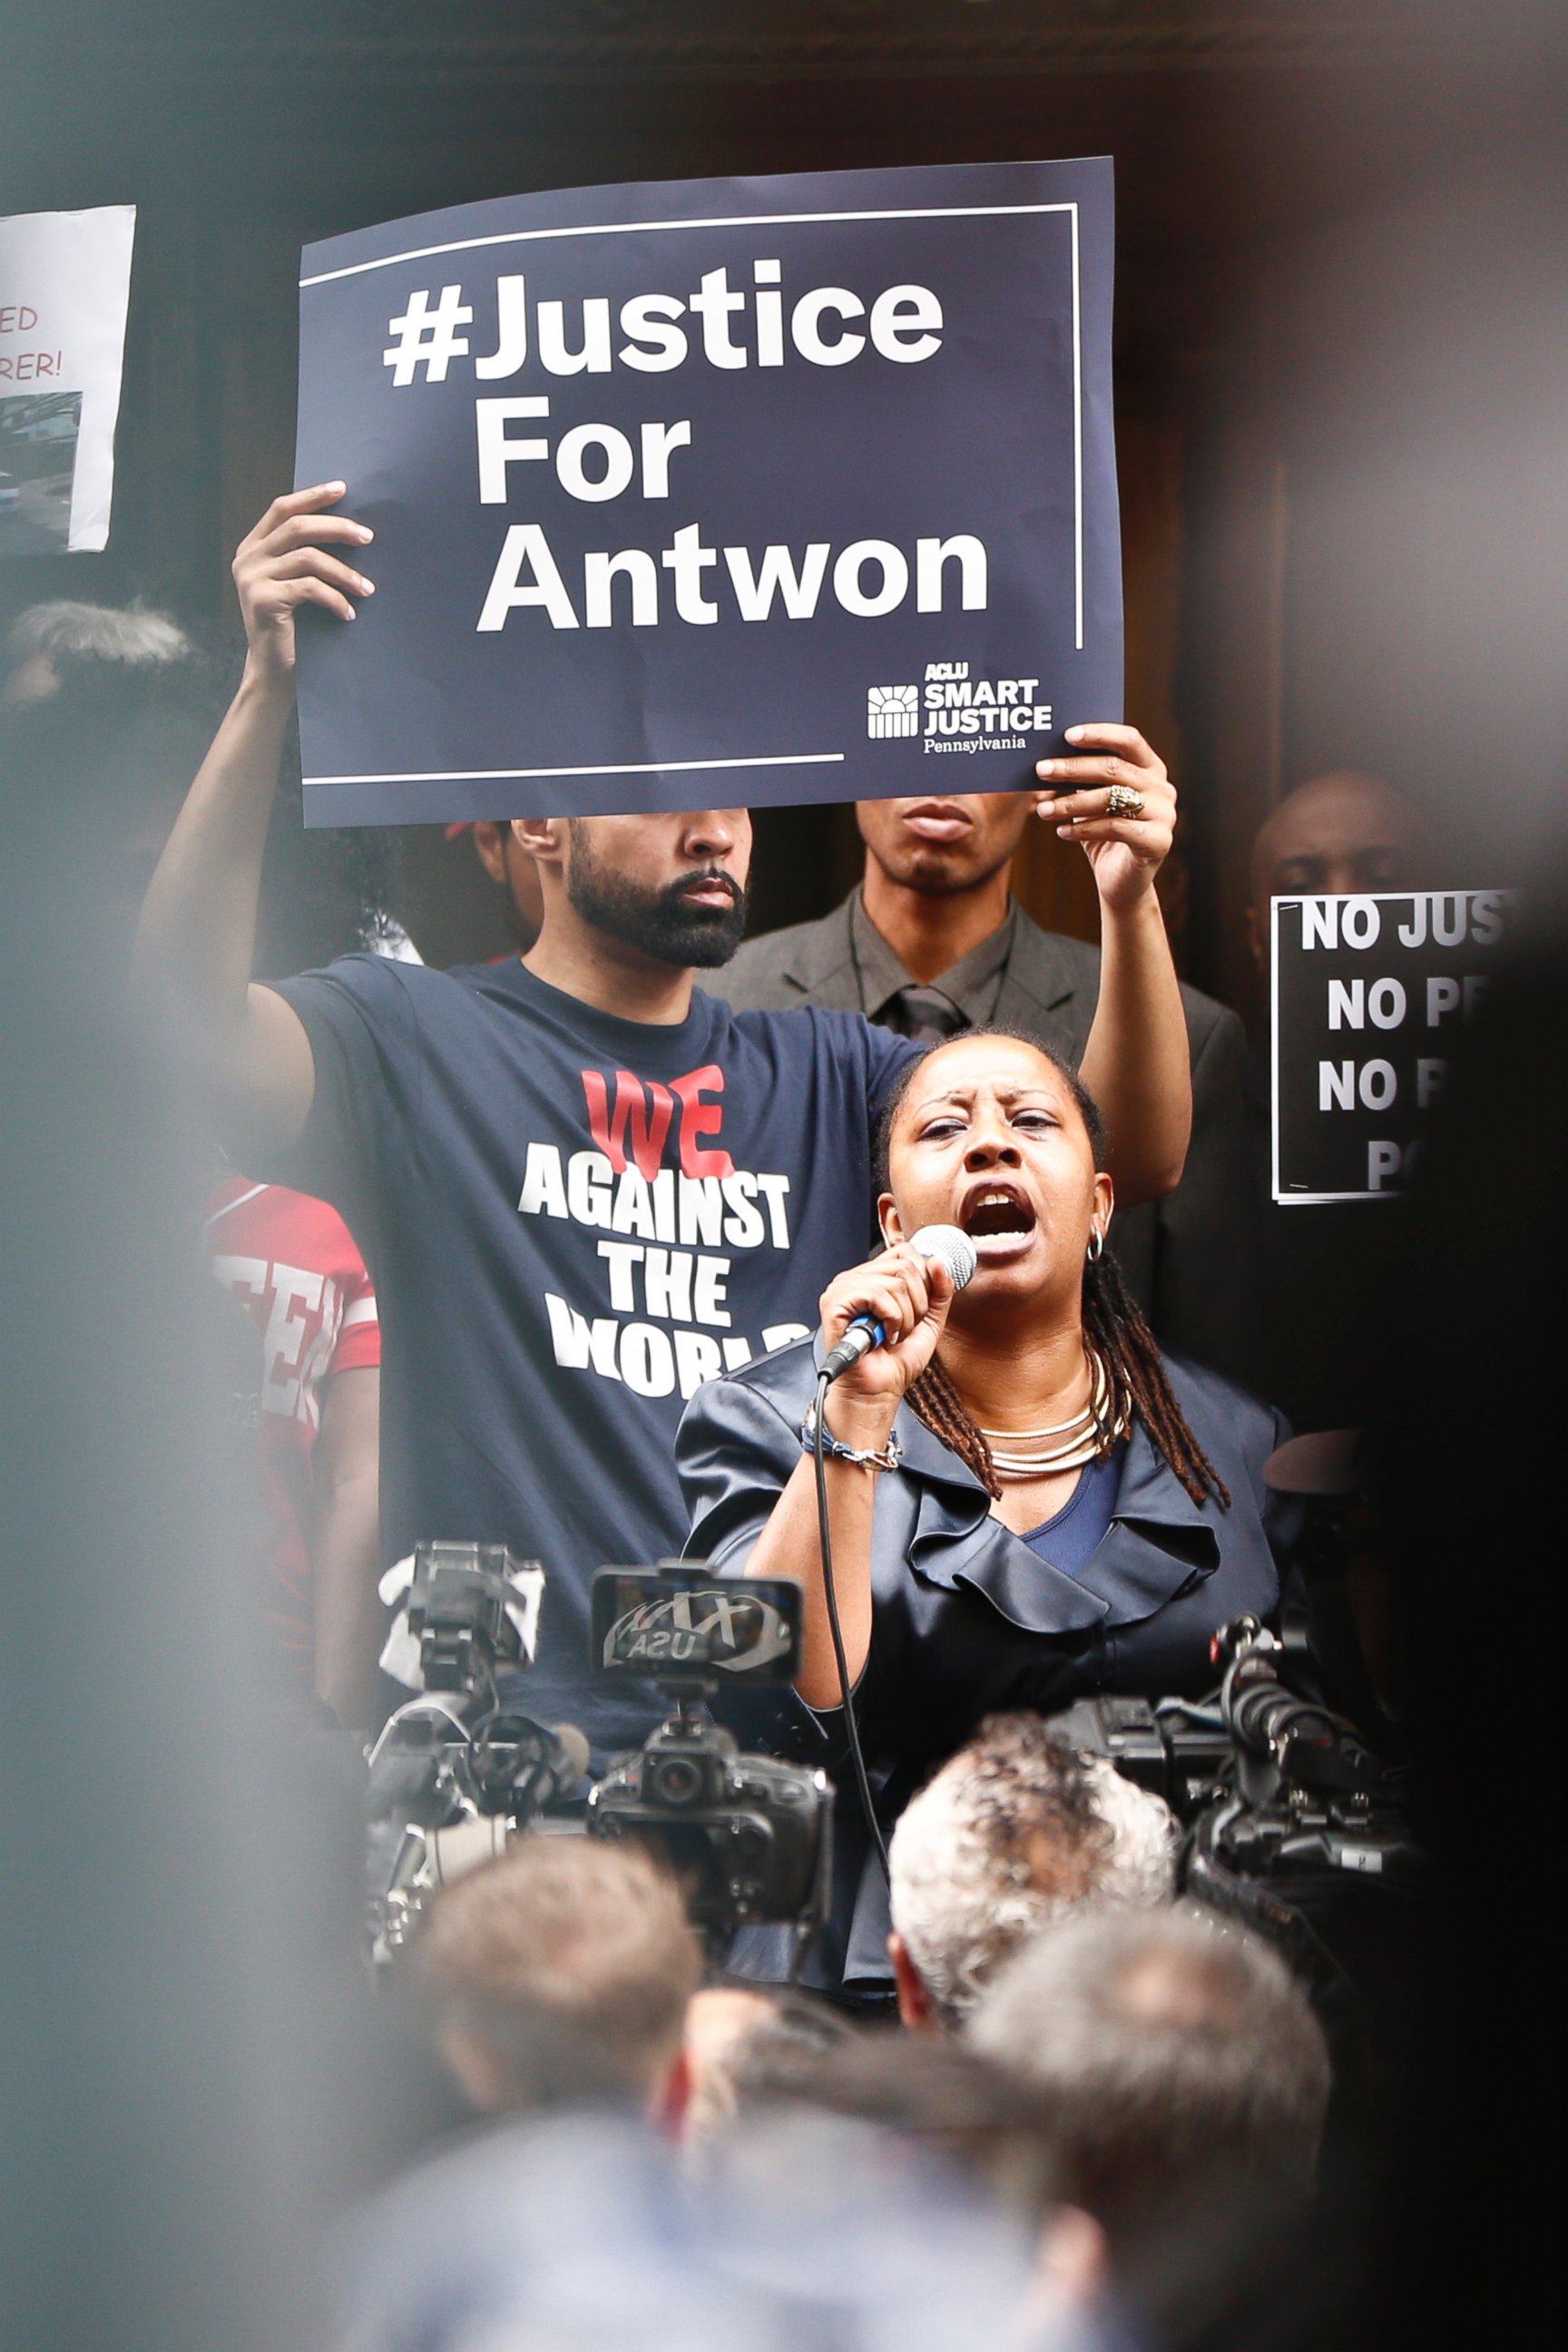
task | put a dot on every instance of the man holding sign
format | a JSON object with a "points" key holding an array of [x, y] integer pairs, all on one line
{"points": [[582, 1185]]}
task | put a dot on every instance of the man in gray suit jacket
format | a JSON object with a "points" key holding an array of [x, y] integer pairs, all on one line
{"points": [[932, 942]]}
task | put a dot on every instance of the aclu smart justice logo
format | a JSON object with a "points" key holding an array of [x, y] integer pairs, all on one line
{"points": [[979, 714]]}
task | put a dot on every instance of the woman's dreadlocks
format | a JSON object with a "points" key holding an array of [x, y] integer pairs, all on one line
{"points": [[1113, 1326]]}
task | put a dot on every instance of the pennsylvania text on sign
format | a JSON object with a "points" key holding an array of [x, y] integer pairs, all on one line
{"points": [[1369, 994]]}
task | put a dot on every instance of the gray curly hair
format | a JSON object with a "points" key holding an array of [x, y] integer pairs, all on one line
{"points": [[106, 633], [1016, 1829]]}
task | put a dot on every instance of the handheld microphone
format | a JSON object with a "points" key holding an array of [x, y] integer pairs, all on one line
{"points": [[951, 1246]]}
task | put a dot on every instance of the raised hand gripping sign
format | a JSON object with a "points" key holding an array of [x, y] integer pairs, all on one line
{"points": [[715, 491]]}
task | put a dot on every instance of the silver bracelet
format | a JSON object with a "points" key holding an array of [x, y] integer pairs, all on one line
{"points": [[891, 1454]]}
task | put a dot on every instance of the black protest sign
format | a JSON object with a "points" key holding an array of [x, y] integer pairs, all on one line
{"points": [[1370, 993], [737, 491]]}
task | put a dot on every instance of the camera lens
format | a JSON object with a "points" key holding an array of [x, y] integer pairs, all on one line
{"points": [[677, 1781]]}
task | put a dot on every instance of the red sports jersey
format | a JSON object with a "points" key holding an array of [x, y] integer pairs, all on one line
{"points": [[292, 1261]]}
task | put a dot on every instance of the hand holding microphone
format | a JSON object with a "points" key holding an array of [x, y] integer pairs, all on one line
{"points": [[882, 1322], [898, 1298]]}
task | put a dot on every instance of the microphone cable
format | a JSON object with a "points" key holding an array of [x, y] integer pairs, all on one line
{"points": [[825, 1543]]}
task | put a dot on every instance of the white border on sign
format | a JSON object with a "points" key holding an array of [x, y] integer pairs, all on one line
{"points": [[1307, 1200], [784, 220], [616, 768], [1319, 897], [739, 220]]}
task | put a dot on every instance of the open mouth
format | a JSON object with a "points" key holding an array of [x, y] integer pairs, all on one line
{"points": [[998, 1220]]}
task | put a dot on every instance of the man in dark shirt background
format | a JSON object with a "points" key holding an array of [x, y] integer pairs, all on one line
{"points": [[1340, 830], [932, 942]]}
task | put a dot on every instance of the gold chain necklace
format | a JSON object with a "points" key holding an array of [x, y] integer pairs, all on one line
{"points": [[1083, 1438]]}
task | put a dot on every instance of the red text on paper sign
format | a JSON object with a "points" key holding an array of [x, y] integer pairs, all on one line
{"points": [[24, 367]]}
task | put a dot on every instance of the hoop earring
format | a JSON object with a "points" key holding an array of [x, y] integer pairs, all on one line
{"points": [[1096, 1249]]}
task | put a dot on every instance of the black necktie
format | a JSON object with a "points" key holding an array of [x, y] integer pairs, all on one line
{"points": [[924, 1014]]}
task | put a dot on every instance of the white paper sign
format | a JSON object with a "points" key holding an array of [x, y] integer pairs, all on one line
{"points": [[65, 287]]}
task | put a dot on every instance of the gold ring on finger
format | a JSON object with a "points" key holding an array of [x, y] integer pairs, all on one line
{"points": [[1124, 799]]}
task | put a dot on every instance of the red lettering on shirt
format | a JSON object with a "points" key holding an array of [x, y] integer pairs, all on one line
{"points": [[698, 1119], [645, 1117], [642, 1114], [294, 1264]]}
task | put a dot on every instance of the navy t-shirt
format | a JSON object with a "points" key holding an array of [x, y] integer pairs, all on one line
{"points": [[572, 1220]]}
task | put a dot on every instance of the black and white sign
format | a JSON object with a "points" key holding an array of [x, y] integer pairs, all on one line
{"points": [[1370, 993], [747, 490]]}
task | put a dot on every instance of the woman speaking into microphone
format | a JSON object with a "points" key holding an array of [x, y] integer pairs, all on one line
{"points": [[1026, 1502]]}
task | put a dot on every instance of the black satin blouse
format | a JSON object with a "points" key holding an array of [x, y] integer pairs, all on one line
{"points": [[966, 1619]]}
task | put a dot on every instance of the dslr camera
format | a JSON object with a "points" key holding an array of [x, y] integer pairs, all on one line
{"points": [[748, 1836], [455, 1774]]}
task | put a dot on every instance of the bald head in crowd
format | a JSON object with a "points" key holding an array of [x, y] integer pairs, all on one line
{"points": [[1183, 2069], [1341, 832], [1016, 1831], [561, 1971]]}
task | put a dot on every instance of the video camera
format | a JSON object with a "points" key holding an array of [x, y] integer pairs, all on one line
{"points": [[1291, 1823], [749, 1836], [461, 1606], [454, 1774], [1275, 1781]]}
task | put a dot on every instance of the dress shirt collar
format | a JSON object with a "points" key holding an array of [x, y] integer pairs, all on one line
{"points": [[974, 982]]}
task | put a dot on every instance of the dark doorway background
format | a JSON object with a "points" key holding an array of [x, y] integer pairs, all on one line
{"points": [[1340, 332]]}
